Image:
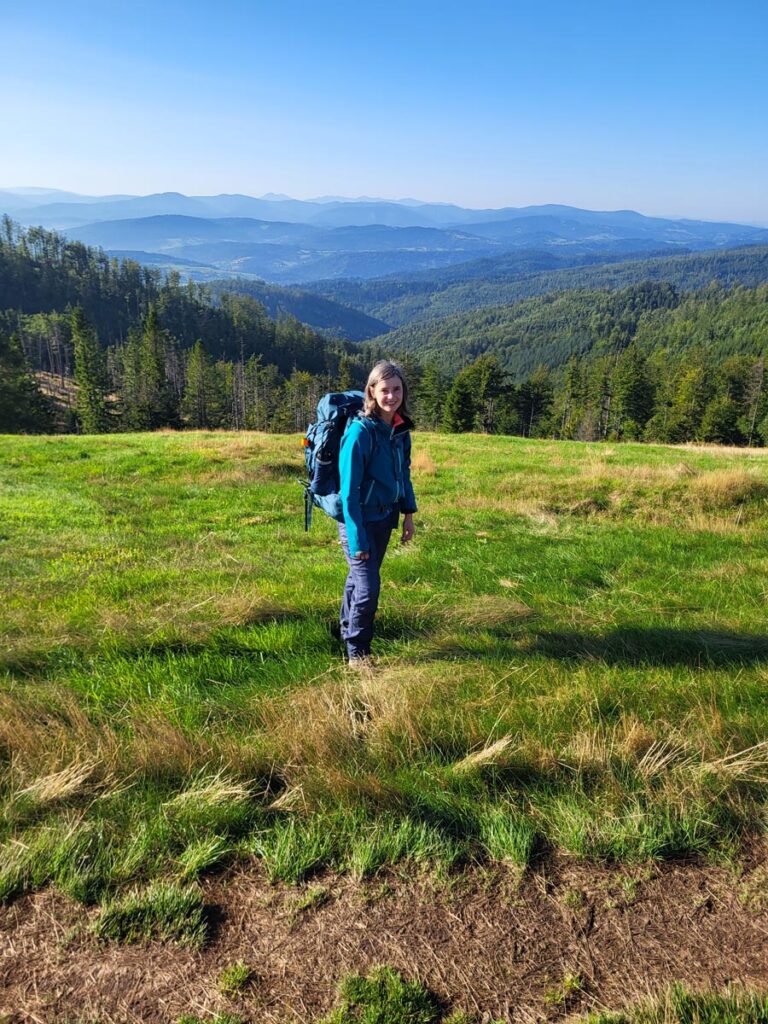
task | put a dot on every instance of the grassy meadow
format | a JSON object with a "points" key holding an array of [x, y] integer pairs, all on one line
{"points": [[572, 655]]}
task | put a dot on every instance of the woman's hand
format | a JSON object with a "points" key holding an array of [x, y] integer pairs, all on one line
{"points": [[362, 556], [408, 528]]}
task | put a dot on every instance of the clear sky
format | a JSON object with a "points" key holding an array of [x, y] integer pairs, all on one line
{"points": [[656, 106]]}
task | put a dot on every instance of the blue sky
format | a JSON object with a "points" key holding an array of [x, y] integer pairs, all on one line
{"points": [[658, 107]]}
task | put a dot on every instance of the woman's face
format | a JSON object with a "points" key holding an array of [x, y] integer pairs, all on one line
{"points": [[389, 395]]}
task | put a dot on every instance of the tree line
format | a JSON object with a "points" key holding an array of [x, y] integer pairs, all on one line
{"points": [[627, 396], [129, 351]]}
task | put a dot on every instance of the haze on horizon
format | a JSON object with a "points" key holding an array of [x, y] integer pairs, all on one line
{"points": [[602, 105]]}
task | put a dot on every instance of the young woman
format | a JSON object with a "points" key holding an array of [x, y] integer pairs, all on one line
{"points": [[374, 469]]}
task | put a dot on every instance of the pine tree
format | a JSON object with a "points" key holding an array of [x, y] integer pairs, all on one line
{"points": [[90, 376]]}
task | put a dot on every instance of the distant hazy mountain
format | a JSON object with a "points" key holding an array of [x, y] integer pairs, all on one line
{"points": [[285, 252], [25, 198], [290, 241], [334, 211]]}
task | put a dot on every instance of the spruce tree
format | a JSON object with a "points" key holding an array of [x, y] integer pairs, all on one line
{"points": [[197, 405], [633, 394], [23, 408], [345, 380], [90, 376], [156, 399], [534, 401], [460, 405], [133, 414], [430, 397], [720, 422]]}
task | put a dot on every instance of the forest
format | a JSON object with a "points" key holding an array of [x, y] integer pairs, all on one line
{"points": [[508, 278], [94, 344]]}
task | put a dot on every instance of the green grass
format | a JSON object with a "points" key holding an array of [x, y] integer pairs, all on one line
{"points": [[383, 997], [163, 911], [679, 1006], [234, 978], [572, 655], [386, 997], [218, 1018]]}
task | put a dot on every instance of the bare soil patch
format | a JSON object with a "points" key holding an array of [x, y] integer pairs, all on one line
{"points": [[486, 941]]}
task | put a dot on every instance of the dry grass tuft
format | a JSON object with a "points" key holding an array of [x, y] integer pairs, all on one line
{"points": [[494, 754], [423, 464], [750, 765], [45, 739], [537, 512], [486, 611], [68, 782], [335, 739], [416, 710], [210, 790], [628, 740], [596, 469], [160, 747], [292, 799], [312, 730], [661, 757], [727, 488], [634, 738]]}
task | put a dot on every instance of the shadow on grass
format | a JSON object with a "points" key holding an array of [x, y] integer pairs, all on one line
{"points": [[655, 645], [236, 641]]}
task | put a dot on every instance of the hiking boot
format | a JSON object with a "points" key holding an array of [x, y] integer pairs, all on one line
{"points": [[361, 663]]}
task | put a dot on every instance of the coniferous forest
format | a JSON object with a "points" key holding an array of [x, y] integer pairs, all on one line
{"points": [[94, 344]]}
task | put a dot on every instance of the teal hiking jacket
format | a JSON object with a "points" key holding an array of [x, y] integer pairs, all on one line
{"points": [[374, 474]]}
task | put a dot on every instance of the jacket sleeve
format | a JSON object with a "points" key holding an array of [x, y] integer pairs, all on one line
{"points": [[353, 455], [408, 500]]}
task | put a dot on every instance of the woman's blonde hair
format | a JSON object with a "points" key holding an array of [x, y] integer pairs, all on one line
{"points": [[383, 370]]}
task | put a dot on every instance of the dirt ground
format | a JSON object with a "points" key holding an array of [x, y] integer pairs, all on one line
{"points": [[487, 941]]}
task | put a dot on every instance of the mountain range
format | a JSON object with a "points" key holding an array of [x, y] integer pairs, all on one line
{"points": [[289, 241]]}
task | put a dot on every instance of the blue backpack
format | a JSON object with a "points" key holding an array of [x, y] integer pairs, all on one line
{"points": [[321, 452]]}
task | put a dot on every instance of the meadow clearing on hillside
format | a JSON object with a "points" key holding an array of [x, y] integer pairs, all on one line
{"points": [[572, 658]]}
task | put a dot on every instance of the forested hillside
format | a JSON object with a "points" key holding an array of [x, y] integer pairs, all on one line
{"points": [[398, 300], [552, 328], [121, 348], [645, 362], [143, 351], [331, 318]]}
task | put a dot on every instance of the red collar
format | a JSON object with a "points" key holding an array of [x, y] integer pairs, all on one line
{"points": [[397, 419]]}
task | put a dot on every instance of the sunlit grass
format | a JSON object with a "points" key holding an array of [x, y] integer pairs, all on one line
{"points": [[572, 655]]}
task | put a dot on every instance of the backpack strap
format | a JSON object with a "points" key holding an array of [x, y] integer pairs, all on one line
{"points": [[371, 431]]}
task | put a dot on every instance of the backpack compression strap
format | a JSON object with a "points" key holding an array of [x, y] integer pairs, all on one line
{"points": [[307, 506]]}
